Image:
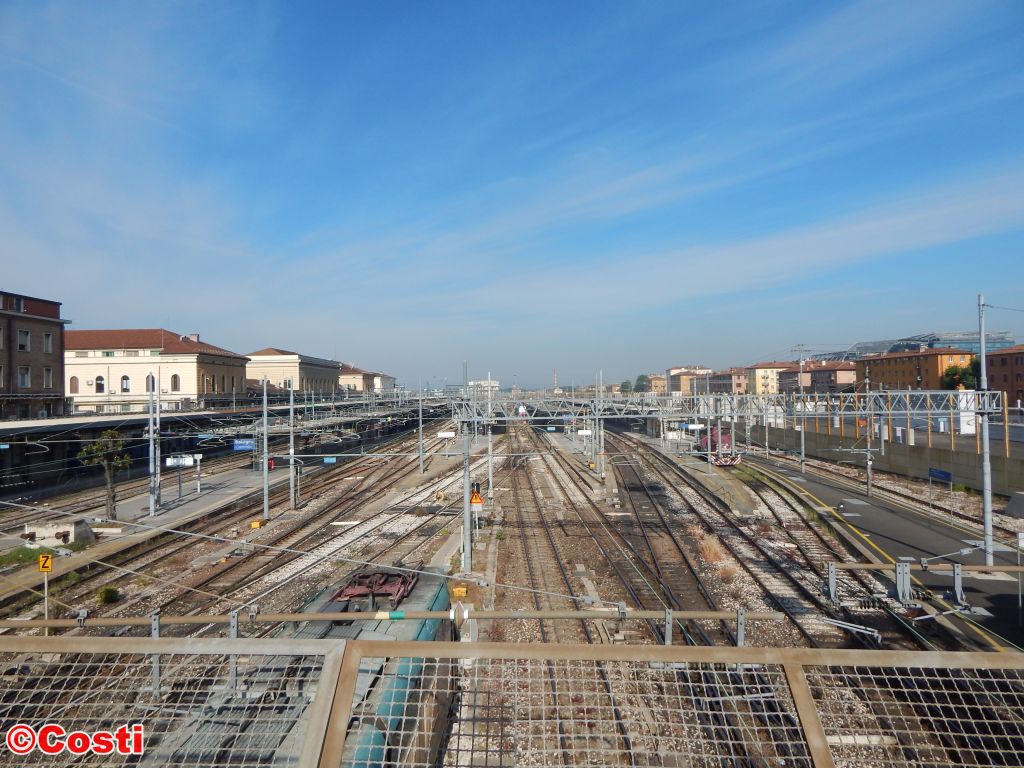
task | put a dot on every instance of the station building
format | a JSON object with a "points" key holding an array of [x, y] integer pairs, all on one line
{"points": [[113, 371], [286, 369], [31, 357], [919, 369], [356, 379], [382, 382]]}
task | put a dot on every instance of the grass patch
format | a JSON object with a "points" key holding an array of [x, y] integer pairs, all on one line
{"points": [[108, 595], [22, 556], [499, 535]]}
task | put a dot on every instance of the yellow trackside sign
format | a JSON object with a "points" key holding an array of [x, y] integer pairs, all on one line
{"points": [[45, 563]]}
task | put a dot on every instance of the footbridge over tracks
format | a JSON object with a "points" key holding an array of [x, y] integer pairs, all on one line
{"points": [[289, 702]]}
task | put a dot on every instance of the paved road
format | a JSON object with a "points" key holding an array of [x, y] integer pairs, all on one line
{"points": [[898, 533]]}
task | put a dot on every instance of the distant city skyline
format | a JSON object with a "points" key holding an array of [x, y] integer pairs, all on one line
{"points": [[527, 186]]}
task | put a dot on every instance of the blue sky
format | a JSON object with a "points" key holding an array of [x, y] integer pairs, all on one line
{"points": [[529, 186]]}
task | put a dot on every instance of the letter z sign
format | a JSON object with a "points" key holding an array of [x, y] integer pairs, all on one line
{"points": [[45, 563]]}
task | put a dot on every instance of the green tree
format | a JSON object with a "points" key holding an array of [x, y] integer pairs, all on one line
{"points": [[626, 387], [643, 384], [962, 375], [107, 451]]}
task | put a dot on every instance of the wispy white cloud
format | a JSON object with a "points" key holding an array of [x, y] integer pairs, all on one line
{"points": [[954, 213]]}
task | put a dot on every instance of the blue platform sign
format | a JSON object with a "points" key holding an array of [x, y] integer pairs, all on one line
{"points": [[552, 429], [5, 446], [245, 444], [940, 474], [330, 459]]}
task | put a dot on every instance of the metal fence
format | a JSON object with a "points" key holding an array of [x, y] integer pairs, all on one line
{"points": [[376, 703]]}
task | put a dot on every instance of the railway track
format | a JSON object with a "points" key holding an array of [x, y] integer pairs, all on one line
{"points": [[883, 489], [302, 545], [797, 594], [157, 551]]}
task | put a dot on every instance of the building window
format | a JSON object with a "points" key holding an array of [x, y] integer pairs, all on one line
{"points": [[48, 343], [223, 383], [47, 378], [126, 384], [132, 353], [175, 383], [150, 383], [1, 337], [108, 354], [100, 385], [24, 377], [233, 389], [81, 354], [24, 341], [73, 386], [19, 304]]}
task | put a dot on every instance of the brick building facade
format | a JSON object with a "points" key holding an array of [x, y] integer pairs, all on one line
{"points": [[31, 357]]}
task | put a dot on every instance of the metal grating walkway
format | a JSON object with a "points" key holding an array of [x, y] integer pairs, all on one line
{"points": [[361, 703]]}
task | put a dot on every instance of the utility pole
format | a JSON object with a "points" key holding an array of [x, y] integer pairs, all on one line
{"points": [[291, 442], [803, 414], [871, 425], [420, 385], [266, 468], [152, 452], [490, 450], [986, 459], [467, 516], [600, 425], [156, 387]]}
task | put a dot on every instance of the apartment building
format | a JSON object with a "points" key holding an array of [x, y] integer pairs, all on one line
{"points": [[686, 379], [732, 381], [833, 376], [920, 369], [763, 378], [31, 357], [1005, 371]]}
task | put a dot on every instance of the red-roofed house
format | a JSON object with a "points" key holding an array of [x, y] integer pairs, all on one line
{"points": [[109, 371]]}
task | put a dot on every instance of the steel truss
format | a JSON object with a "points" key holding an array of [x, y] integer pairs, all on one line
{"points": [[904, 404]]}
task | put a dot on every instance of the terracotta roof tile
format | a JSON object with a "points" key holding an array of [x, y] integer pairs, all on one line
{"points": [[168, 342]]}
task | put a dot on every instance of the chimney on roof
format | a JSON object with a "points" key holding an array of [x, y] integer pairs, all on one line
{"points": [[193, 337]]}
